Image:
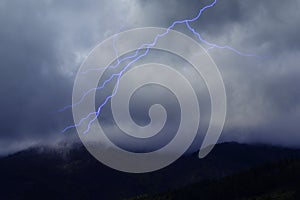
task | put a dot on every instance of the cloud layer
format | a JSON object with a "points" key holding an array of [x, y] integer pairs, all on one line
{"points": [[44, 42]]}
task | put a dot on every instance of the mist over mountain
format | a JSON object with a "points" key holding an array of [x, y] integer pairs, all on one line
{"points": [[253, 46]]}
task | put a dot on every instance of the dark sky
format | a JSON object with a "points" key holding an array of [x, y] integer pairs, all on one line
{"points": [[43, 43]]}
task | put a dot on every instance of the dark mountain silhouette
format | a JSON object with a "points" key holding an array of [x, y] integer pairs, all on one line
{"points": [[273, 181], [72, 173]]}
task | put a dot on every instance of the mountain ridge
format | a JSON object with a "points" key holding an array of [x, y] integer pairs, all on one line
{"points": [[74, 173]]}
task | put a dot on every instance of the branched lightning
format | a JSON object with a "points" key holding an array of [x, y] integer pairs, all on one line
{"points": [[135, 57], [211, 45]]}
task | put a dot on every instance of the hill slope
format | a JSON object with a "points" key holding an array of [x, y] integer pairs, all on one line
{"points": [[276, 181], [74, 174]]}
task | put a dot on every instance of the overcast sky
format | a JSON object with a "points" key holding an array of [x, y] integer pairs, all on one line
{"points": [[43, 43]]}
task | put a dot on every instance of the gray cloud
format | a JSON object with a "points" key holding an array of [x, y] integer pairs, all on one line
{"points": [[44, 42]]}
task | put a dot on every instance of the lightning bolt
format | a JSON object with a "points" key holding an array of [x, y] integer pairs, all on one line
{"points": [[146, 46], [211, 45]]}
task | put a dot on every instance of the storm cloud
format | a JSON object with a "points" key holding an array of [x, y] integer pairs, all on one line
{"points": [[44, 42]]}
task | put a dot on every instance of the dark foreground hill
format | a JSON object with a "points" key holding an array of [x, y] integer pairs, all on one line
{"points": [[276, 181], [45, 173]]}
